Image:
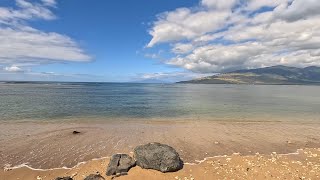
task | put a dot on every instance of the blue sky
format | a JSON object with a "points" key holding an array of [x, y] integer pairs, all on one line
{"points": [[113, 32], [116, 40]]}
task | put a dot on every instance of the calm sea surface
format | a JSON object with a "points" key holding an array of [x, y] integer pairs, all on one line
{"points": [[54, 101]]}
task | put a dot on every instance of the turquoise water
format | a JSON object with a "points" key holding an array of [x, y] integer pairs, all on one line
{"points": [[50, 101]]}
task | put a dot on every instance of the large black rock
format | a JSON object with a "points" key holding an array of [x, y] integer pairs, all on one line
{"points": [[120, 163], [158, 156]]}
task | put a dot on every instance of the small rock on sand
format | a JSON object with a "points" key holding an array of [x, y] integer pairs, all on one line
{"points": [[63, 178], [94, 177], [75, 132], [120, 163]]}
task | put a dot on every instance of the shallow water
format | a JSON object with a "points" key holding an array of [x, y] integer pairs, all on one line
{"points": [[54, 101]]}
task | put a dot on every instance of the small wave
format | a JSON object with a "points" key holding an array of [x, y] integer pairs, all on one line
{"points": [[50, 169], [221, 156], [198, 162]]}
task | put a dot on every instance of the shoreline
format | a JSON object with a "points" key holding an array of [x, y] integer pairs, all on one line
{"points": [[305, 162], [46, 145], [197, 162]]}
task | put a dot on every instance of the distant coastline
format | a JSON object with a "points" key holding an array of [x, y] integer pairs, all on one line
{"points": [[274, 75]]}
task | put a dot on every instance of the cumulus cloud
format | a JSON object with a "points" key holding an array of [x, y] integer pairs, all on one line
{"points": [[183, 23], [180, 48], [253, 5], [218, 4], [22, 45], [242, 34], [25, 11], [298, 9], [13, 69]]}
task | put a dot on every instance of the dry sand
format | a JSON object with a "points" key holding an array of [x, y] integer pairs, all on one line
{"points": [[305, 164], [45, 145]]}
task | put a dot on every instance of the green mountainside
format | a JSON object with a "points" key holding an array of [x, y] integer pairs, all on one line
{"points": [[276, 75]]}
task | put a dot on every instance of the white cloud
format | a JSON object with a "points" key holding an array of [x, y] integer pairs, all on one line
{"points": [[219, 4], [13, 69], [33, 46], [253, 5], [25, 11], [183, 23], [49, 2], [23, 45], [242, 35], [298, 9], [181, 48]]}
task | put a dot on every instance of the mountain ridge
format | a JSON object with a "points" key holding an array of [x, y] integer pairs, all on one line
{"points": [[273, 75]]}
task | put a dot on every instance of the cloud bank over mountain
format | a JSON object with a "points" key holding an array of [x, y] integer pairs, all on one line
{"points": [[218, 36]]}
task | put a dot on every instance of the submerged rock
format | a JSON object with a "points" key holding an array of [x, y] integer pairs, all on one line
{"points": [[63, 178], [120, 164], [94, 177], [158, 156]]}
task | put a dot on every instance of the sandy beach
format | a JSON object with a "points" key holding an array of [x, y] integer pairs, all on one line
{"points": [[47, 145], [304, 164]]}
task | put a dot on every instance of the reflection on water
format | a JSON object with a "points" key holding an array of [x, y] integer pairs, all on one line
{"points": [[115, 100]]}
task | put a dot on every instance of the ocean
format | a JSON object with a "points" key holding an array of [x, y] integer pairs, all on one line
{"points": [[105, 101]]}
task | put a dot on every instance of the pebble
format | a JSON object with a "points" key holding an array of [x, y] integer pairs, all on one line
{"points": [[75, 132]]}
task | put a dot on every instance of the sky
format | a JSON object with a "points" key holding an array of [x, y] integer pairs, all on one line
{"points": [[121, 41]]}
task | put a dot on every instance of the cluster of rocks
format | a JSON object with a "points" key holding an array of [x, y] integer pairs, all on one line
{"points": [[155, 156]]}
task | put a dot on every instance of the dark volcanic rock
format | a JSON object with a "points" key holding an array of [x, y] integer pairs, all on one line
{"points": [[64, 178], [94, 177], [120, 163], [158, 156]]}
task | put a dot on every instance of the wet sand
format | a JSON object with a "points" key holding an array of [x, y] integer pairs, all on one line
{"points": [[45, 145]]}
